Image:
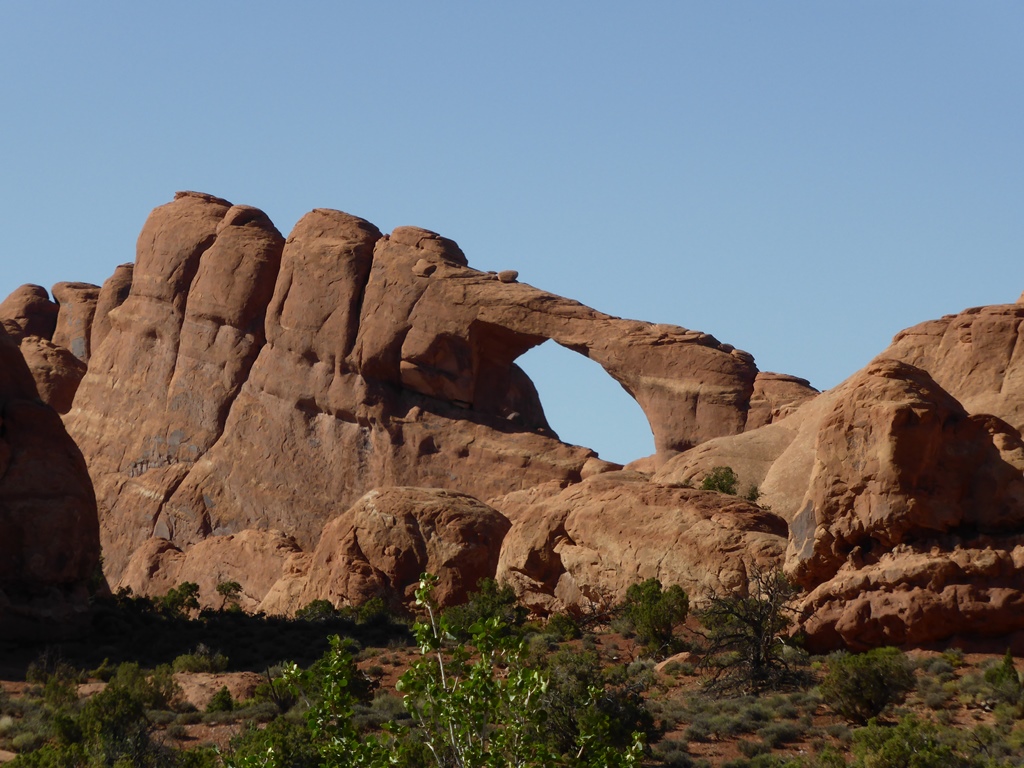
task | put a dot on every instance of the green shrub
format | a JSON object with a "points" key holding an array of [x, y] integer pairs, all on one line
{"points": [[291, 744], [911, 743], [221, 701], [317, 611], [673, 753], [180, 600], [1003, 681], [156, 690], [860, 686], [490, 601], [564, 627], [746, 637], [202, 659], [654, 613], [580, 693], [721, 479]]}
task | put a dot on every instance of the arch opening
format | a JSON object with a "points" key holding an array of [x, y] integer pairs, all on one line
{"points": [[585, 406]]}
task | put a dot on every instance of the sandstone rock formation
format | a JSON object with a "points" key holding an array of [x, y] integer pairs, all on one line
{"points": [[894, 495], [775, 396], [256, 560], [977, 356], [251, 383], [31, 319], [77, 310], [386, 540], [586, 544], [49, 536], [319, 417]]}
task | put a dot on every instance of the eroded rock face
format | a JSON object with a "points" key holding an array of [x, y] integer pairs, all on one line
{"points": [[113, 294], [897, 459], [589, 542], [977, 356], [386, 540], [31, 320], [256, 560], [249, 383], [179, 348], [77, 309], [49, 536], [894, 494], [28, 311], [775, 396]]}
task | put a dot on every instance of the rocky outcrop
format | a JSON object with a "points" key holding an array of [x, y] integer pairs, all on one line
{"points": [[586, 544], [49, 536], [251, 383], [32, 320], [386, 540], [245, 393], [113, 294], [28, 311], [977, 356], [255, 560], [179, 348], [77, 310], [775, 396], [890, 487]]}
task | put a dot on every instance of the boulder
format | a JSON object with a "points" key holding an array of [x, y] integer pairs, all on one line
{"points": [[386, 540], [57, 372], [878, 478], [898, 459], [28, 311]]}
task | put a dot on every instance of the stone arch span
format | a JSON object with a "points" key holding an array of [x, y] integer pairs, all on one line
{"points": [[465, 329]]}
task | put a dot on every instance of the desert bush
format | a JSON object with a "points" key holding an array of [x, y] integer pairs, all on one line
{"points": [[317, 611], [654, 613], [1003, 681], [777, 734], [860, 686], [202, 659], [290, 744], [179, 600], [580, 694], [721, 479], [911, 743], [673, 753], [222, 701], [490, 601], [746, 646], [564, 627]]}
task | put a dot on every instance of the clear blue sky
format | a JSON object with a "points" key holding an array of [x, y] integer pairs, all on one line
{"points": [[800, 179]]}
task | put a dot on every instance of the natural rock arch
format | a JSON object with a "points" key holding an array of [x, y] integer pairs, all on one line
{"points": [[585, 406]]}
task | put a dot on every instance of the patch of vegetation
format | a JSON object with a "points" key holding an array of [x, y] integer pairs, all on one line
{"points": [[491, 601], [654, 614], [860, 686], [202, 659], [746, 642], [721, 479]]}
